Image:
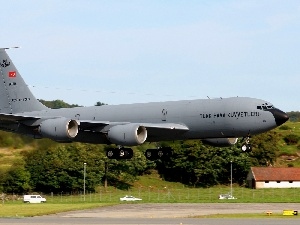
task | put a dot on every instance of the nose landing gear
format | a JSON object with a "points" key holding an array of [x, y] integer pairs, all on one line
{"points": [[246, 146]]}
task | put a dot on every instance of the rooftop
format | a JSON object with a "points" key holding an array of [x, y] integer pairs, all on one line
{"points": [[275, 174]]}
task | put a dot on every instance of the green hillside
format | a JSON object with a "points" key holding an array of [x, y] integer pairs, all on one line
{"points": [[14, 147], [289, 153]]}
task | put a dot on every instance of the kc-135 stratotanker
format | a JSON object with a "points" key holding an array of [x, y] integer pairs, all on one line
{"points": [[218, 122]]}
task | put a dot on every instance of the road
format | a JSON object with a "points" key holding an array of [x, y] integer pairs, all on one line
{"points": [[180, 214]]}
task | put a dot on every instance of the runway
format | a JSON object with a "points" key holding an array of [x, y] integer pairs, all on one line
{"points": [[180, 214]]}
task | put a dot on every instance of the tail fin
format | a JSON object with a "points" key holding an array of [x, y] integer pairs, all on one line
{"points": [[15, 96]]}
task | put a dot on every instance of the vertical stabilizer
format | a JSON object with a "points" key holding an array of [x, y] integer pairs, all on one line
{"points": [[15, 96]]}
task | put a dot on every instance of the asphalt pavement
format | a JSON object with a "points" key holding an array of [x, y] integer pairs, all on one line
{"points": [[180, 214]]}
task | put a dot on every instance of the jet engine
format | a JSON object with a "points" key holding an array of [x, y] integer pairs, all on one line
{"points": [[59, 129], [127, 135], [220, 142]]}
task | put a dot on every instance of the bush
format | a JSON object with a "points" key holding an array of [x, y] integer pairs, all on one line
{"points": [[291, 139], [284, 127]]}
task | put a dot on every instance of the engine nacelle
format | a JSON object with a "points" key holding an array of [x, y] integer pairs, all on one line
{"points": [[59, 129], [127, 135], [220, 142]]}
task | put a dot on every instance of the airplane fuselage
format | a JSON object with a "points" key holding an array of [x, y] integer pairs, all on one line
{"points": [[205, 118]]}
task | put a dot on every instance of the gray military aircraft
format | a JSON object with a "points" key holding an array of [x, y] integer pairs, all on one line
{"points": [[218, 122]]}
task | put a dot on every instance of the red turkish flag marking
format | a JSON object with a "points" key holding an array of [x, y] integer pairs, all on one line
{"points": [[12, 74]]}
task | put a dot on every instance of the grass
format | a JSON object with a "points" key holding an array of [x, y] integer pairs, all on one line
{"points": [[29, 210], [158, 191], [63, 203], [288, 154], [178, 195], [293, 128], [9, 156]]}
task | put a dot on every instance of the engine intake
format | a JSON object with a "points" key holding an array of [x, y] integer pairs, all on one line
{"points": [[127, 135], [59, 129]]}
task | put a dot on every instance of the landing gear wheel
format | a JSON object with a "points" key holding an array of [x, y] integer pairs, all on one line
{"points": [[111, 153], [119, 153], [246, 146], [122, 153], [150, 154], [159, 153]]}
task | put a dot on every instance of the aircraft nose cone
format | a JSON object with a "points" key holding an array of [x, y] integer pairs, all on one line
{"points": [[280, 116]]}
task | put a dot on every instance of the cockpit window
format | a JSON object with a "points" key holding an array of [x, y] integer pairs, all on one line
{"points": [[265, 107]]}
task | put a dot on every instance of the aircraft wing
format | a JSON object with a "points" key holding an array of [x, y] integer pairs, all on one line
{"points": [[84, 124], [93, 124], [15, 117], [155, 131]]}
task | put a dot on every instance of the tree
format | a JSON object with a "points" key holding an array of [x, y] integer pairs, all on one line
{"points": [[294, 116], [100, 104], [264, 148], [60, 168], [57, 104], [16, 179], [197, 164], [121, 173]]}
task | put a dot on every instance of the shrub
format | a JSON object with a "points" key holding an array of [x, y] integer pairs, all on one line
{"points": [[291, 139]]}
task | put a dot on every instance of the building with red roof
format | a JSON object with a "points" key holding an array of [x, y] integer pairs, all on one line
{"points": [[270, 177]]}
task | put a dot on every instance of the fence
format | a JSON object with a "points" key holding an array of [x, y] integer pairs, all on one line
{"points": [[166, 195]]}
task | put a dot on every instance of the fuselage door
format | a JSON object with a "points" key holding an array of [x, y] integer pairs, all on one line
{"points": [[164, 113], [77, 116]]}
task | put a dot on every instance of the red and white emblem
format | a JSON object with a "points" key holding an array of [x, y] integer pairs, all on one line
{"points": [[12, 74]]}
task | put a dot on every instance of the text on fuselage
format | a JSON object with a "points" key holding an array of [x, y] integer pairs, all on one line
{"points": [[230, 114]]}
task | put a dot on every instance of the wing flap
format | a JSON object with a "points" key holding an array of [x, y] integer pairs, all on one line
{"points": [[155, 128], [167, 126], [164, 131]]}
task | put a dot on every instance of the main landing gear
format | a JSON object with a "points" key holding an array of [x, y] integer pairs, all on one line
{"points": [[151, 154], [246, 146], [159, 153], [119, 153]]}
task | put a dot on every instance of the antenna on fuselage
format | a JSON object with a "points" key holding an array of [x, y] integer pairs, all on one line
{"points": [[10, 47]]}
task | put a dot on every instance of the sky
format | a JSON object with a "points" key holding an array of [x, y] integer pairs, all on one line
{"points": [[128, 51]]}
